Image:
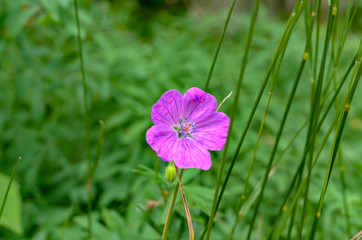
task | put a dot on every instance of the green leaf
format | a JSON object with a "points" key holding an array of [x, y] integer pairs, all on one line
{"points": [[199, 196], [112, 219], [11, 217]]}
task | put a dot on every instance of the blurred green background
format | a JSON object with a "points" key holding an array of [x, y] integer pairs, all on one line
{"points": [[134, 51]]}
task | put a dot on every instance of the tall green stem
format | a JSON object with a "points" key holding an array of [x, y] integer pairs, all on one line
{"points": [[9, 185], [336, 142], [86, 122], [277, 138], [219, 46], [233, 114], [300, 186], [187, 211], [246, 184], [316, 110], [170, 209]]}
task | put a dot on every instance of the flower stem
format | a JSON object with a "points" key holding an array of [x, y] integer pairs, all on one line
{"points": [[9, 185], [170, 209], [357, 236], [188, 215]]}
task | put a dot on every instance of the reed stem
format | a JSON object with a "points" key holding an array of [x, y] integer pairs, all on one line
{"points": [[8, 187], [232, 118]]}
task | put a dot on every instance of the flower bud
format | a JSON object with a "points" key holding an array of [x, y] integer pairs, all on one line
{"points": [[170, 173]]}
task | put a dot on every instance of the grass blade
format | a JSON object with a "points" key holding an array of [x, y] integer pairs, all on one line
{"points": [[9, 185]]}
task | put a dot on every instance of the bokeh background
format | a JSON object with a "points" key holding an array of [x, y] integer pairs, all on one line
{"points": [[134, 51]]}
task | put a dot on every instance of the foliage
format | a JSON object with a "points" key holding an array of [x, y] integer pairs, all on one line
{"points": [[130, 61]]}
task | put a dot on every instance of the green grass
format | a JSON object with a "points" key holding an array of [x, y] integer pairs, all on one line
{"points": [[130, 59]]}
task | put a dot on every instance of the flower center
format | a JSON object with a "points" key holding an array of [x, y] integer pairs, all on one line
{"points": [[185, 128]]}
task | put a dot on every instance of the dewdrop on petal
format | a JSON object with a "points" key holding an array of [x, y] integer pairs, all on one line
{"points": [[170, 173]]}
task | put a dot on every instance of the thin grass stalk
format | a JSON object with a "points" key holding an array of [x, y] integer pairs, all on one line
{"points": [[291, 223], [260, 226], [91, 171], [99, 151], [249, 202], [281, 45], [341, 166], [169, 214], [336, 92], [310, 19], [297, 175], [284, 205], [317, 6], [219, 45], [277, 138], [66, 223], [84, 83], [246, 184], [317, 13], [309, 23], [291, 141], [316, 109], [233, 114], [8, 187], [334, 40], [344, 190], [337, 139], [86, 121], [346, 26], [291, 210], [243, 195], [334, 61]]}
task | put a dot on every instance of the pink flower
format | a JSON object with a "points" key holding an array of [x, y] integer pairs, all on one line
{"points": [[186, 127]]}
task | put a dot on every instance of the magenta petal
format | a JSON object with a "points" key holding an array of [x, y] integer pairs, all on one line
{"points": [[168, 109], [191, 154], [186, 127], [212, 132], [198, 104], [162, 139]]}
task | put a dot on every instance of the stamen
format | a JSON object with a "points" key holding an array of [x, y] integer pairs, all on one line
{"points": [[182, 127], [185, 129]]}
